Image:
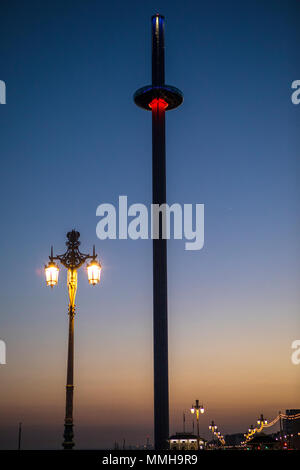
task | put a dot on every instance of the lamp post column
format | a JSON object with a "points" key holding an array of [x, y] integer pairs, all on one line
{"points": [[281, 433], [68, 433], [198, 430]]}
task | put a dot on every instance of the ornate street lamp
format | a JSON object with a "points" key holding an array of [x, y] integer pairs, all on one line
{"points": [[262, 421], [251, 429], [213, 428], [197, 409], [72, 259]]}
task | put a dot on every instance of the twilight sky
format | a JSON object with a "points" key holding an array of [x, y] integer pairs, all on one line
{"points": [[72, 138]]}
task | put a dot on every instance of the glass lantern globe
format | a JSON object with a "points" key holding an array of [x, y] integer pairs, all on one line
{"points": [[51, 273], [94, 272]]}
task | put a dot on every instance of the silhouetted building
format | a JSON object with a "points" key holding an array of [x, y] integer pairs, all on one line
{"points": [[291, 430], [234, 440], [291, 426], [263, 441]]}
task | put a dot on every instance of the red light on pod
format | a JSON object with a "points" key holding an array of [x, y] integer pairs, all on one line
{"points": [[162, 104]]}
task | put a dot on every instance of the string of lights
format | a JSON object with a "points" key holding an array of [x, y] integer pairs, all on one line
{"points": [[262, 423], [296, 416], [268, 425], [220, 437]]}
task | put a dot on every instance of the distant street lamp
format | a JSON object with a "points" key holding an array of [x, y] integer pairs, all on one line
{"points": [[262, 421], [197, 409], [72, 259], [213, 428]]}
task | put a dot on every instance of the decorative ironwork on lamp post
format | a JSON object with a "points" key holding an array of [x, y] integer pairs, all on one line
{"points": [[72, 259]]}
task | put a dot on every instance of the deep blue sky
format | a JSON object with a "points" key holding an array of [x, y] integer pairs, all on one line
{"points": [[72, 138]]}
